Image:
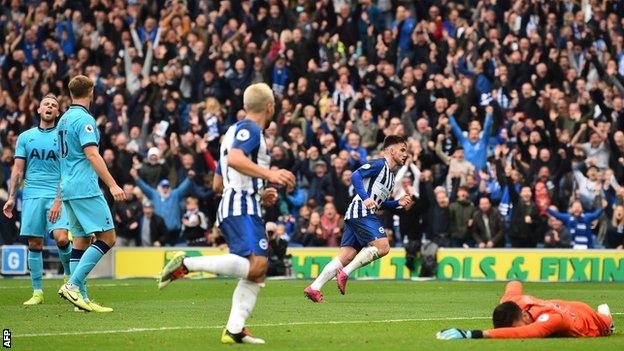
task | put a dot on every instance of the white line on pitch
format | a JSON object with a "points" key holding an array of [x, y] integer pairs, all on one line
{"points": [[140, 330]]}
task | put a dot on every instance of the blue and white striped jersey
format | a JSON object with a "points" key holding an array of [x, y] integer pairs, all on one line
{"points": [[241, 193], [374, 180]]}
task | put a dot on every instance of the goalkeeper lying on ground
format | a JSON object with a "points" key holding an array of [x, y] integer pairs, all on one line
{"points": [[524, 316]]}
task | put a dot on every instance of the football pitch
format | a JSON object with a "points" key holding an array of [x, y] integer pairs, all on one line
{"points": [[374, 315]]}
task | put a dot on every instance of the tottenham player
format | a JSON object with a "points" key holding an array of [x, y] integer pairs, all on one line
{"points": [[244, 164], [364, 239], [88, 212], [36, 154]]}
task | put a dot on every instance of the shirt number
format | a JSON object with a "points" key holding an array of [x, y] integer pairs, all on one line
{"points": [[64, 148]]}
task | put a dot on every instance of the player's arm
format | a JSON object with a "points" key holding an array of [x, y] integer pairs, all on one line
{"points": [[55, 211], [247, 139], [217, 181], [98, 164], [17, 174], [545, 325], [89, 142], [406, 200], [513, 288], [367, 170], [358, 184], [237, 159]]}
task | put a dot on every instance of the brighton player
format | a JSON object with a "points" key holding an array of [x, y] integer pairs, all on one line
{"points": [[244, 165], [524, 316], [88, 212], [364, 239], [36, 157]]}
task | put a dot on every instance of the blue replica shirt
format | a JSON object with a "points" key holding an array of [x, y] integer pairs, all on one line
{"points": [[77, 130], [39, 148], [474, 153], [374, 180], [579, 227]]}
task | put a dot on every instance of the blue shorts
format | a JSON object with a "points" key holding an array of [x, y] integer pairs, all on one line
{"points": [[359, 232], [245, 235], [89, 215], [35, 220]]}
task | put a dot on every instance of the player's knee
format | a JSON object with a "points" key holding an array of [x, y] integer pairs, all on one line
{"points": [[349, 257], [35, 245], [257, 271], [61, 238], [108, 237], [383, 249]]}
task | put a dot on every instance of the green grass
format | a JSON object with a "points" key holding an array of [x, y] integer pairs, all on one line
{"points": [[373, 315]]}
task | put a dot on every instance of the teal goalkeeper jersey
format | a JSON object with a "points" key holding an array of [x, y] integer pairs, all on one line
{"points": [[77, 130], [39, 148]]}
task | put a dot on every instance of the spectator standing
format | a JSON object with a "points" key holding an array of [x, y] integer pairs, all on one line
{"points": [[152, 229], [167, 202], [460, 213], [487, 225]]}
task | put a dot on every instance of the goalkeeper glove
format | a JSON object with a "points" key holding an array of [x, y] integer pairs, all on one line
{"points": [[455, 333]]}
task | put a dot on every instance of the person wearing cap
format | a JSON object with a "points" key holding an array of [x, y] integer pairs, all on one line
{"points": [[166, 202], [152, 228], [153, 170]]}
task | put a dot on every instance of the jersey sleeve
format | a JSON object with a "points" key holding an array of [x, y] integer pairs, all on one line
{"points": [[87, 132], [513, 288], [247, 138], [20, 147], [545, 325], [370, 169]]}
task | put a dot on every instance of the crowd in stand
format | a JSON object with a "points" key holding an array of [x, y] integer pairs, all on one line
{"points": [[513, 110]]}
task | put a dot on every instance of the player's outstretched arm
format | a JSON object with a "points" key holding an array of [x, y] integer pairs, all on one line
{"points": [[17, 173], [236, 159], [545, 325], [98, 164]]}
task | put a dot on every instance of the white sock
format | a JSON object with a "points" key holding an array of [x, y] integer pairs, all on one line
{"points": [[243, 302], [230, 265], [365, 256], [329, 271]]}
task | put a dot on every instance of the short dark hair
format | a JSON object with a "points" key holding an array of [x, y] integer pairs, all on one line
{"points": [[392, 140], [506, 314]]}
